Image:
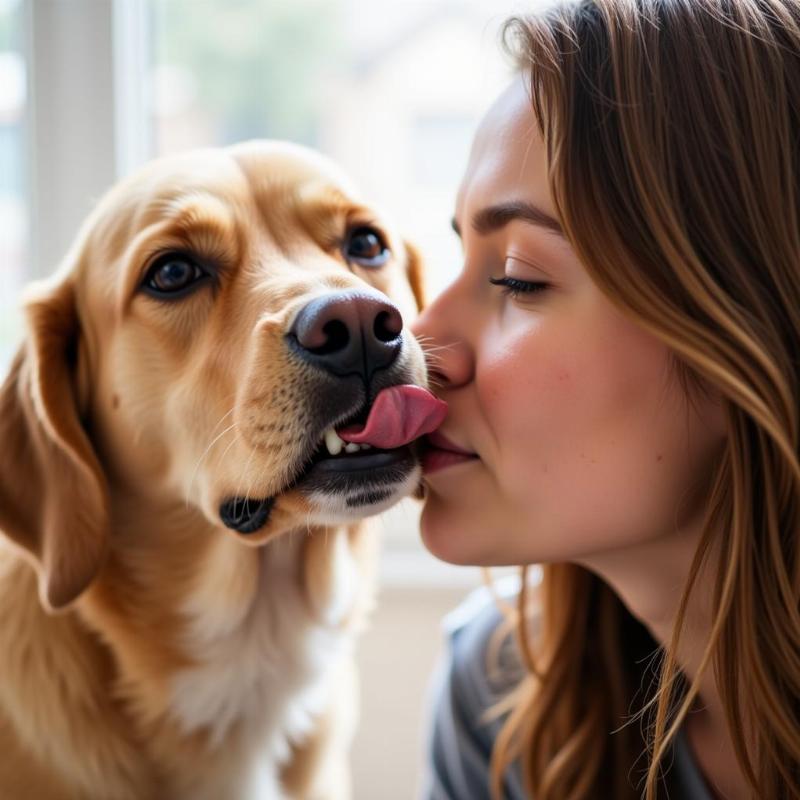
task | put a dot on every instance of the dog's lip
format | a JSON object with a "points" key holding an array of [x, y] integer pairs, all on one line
{"points": [[245, 514], [362, 461], [380, 470]]}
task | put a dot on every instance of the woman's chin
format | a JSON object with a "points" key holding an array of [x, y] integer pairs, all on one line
{"points": [[451, 540]]}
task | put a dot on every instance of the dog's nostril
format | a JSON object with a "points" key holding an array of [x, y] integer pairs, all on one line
{"points": [[337, 337], [348, 333], [387, 326]]}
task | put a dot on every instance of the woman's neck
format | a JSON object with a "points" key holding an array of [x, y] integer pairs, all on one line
{"points": [[650, 579]]}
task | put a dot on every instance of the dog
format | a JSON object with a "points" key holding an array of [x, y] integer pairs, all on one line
{"points": [[215, 392]]}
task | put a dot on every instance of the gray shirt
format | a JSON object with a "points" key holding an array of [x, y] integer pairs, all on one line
{"points": [[460, 741]]}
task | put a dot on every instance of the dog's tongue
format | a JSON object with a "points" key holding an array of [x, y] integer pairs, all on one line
{"points": [[399, 415]]}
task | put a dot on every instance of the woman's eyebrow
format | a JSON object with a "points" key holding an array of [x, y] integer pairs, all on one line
{"points": [[492, 218]]}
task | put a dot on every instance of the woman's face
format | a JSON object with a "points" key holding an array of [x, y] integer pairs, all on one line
{"points": [[584, 441]]}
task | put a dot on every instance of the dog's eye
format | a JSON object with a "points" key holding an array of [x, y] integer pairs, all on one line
{"points": [[174, 274], [366, 247]]}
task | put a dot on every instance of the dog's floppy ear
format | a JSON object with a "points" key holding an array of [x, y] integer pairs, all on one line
{"points": [[415, 274], [53, 493]]}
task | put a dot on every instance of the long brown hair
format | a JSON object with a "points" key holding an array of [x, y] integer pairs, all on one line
{"points": [[672, 130]]}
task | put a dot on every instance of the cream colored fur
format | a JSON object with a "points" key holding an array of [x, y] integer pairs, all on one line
{"points": [[146, 651]]}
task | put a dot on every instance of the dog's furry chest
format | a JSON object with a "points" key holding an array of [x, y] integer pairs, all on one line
{"points": [[266, 668]]}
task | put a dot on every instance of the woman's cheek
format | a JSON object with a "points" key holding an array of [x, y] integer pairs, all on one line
{"points": [[534, 382]]}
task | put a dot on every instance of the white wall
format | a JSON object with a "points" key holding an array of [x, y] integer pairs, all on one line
{"points": [[396, 658]]}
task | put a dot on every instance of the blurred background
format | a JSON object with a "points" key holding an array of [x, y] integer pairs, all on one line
{"points": [[89, 89]]}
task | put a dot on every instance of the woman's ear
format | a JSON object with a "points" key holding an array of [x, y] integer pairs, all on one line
{"points": [[53, 493], [414, 268]]}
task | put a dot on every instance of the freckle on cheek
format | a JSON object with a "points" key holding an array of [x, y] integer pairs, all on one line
{"points": [[115, 401]]}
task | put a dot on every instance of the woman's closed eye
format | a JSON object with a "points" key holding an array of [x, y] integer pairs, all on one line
{"points": [[515, 287]]}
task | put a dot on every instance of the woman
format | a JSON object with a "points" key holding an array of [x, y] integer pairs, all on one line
{"points": [[621, 359]]}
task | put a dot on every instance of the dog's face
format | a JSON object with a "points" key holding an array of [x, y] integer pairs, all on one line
{"points": [[232, 307]]}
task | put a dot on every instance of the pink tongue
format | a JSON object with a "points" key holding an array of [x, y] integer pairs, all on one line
{"points": [[399, 415]]}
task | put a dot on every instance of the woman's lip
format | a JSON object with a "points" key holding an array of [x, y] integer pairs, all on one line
{"points": [[440, 441], [435, 459]]}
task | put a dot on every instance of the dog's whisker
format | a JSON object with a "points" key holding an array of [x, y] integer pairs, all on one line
{"points": [[435, 383], [225, 451], [426, 343], [243, 475], [433, 361], [226, 414], [435, 352], [228, 447], [205, 453]]}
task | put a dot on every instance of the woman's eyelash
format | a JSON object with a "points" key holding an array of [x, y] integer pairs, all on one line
{"points": [[514, 286]]}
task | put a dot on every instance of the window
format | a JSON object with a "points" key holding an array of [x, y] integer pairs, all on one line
{"points": [[13, 210]]}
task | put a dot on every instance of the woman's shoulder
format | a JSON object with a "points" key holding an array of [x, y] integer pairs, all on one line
{"points": [[480, 666], [482, 645]]}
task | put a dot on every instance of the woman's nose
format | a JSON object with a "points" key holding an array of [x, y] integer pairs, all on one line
{"points": [[442, 331]]}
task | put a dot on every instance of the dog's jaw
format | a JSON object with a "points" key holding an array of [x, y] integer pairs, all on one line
{"points": [[326, 508], [258, 636], [265, 664]]}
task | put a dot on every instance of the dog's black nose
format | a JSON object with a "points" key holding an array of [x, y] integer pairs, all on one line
{"points": [[348, 333]]}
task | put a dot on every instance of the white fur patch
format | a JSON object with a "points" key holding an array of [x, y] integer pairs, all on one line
{"points": [[268, 664], [345, 584], [329, 509]]}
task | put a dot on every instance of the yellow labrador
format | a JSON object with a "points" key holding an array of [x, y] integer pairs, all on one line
{"points": [[215, 390]]}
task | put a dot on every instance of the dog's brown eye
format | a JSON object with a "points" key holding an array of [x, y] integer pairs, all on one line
{"points": [[366, 247], [173, 275]]}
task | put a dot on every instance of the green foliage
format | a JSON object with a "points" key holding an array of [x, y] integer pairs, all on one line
{"points": [[259, 64], [10, 25]]}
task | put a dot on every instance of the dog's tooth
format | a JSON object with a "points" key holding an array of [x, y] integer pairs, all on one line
{"points": [[351, 447], [365, 446], [333, 442]]}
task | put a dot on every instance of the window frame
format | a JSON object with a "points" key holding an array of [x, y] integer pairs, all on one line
{"points": [[91, 90]]}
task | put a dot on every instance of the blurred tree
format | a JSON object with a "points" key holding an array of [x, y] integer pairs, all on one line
{"points": [[259, 64], [10, 24]]}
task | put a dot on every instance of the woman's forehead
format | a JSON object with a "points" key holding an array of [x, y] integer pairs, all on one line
{"points": [[508, 159]]}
